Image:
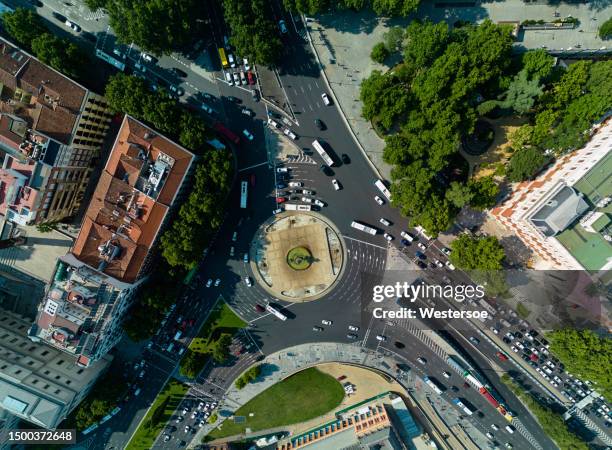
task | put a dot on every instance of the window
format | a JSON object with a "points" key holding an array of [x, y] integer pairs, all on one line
{"points": [[45, 353], [60, 362]]}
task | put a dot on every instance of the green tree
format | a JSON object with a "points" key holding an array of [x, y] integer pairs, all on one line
{"points": [[524, 164], [60, 54], [194, 133], [522, 93], [23, 25], [94, 5], [309, 7], [383, 99], [379, 53], [156, 26], [394, 7], [190, 366], [477, 253], [127, 94], [221, 349], [521, 137], [537, 64], [459, 194], [484, 192], [437, 216], [47, 227], [605, 30], [158, 414], [425, 42], [393, 39]]}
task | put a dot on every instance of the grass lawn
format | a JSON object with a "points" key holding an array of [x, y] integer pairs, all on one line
{"points": [[304, 396], [220, 321], [168, 399]]}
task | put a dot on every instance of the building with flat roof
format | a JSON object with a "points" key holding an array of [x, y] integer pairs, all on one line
{"points": [[94, 284], [38, 384], [564, 214], [51, 129]]}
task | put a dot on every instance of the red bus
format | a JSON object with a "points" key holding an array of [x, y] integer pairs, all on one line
{"points": [[226, 132]]}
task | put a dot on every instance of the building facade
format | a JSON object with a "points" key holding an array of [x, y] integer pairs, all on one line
{"points": [[539, 211], [51, 131], [93, 286]]}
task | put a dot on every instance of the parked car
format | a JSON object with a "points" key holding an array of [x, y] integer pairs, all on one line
{"points": [[247, 134], [379, 200], [178, 72], [283, 26]]}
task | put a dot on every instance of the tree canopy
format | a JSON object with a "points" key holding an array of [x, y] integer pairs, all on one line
{"points": [[525, 163], [380, 7], [477, 253], [605, 29], [23, 25]]}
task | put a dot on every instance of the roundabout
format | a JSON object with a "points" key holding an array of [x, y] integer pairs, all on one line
{"points": [[297, 257]]}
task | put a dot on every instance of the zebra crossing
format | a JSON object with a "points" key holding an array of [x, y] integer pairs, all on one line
{"points": [[526, 434], [94, 15], [592, 425], [302, 158], [423, 337]]}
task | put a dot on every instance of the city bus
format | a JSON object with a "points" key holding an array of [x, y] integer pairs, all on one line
{"points": [[319, 148], [364, 228], [223, 58], [466, 409], [271, 309], [382, 188], [244, 187], [434, 385]]}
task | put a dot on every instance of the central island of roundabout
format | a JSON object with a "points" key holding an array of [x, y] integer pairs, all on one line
{"points": [[297, 256]]}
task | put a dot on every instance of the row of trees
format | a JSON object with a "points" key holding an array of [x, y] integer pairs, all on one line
{"points": [[101, 400], [28, 30], [551, 421], [586, 355], [380, 7], [253, 33], [432, 99], [605, 29], [248, 377], [193, 362]]}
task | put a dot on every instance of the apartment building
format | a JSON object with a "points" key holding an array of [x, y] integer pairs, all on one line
{"points": [[565, 215], [39, 384], [51, 130], [94, 284]]}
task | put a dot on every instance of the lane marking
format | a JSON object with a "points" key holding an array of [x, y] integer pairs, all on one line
{"points": [[253, 166]]}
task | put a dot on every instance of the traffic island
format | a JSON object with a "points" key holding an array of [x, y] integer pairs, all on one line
{"points": [[297, 256]]}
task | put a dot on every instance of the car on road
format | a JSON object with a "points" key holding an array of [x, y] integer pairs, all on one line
{"points": [[421, 360], [148, 58], [319, 203], [326, 322], [388, 237], [290, 133], [283, 26], [399, 344], [247, 134], [421, 246], [326, 170], [228, 78], [243, 79], [319, 124], [277, 210], [384, 221], [421, 264], [446, 250], [207, 109], [446, 374], [177, 90], [407, 236], [449, 265], [187, 428], [234, 236], [494, 427], [280, 186], [336, 184], [245, 258], [420, 255], [317, 328], [73, 26], [438, 263], [326, 99], [345, 158], [217, 282], [209, 283], [282, 170], [454, 388], [514, 349], [247, 112], [510, 429], [352, 336], [296, 184], [273, 123], [178, 72], [379, 200], [353, 328], [231, 98], [179, 419], [280, 200], [259, 308], [489, 435], [248, 282], [381, 337]]}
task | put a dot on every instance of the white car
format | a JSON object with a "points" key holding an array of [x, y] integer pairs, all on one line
{"points": [[217, 282], [231, 60], [179, 419], [236, 78], [73, 26], [336, 184], [446, 250], [228, 78], [148, 58], [514, 349], [248, 281], [307, 192], [446, 374], [325, 99], [307, 200], [245, 63], [207, 109], [273, 123], [407, 236], [247, 112], [243, 79], [276, 211], [290, 133], [319, 203], [381, 338], [438, 263], [353, 328], [187, 428], [388, 237], [295, 184], [494, 427], [495, 330], [232, 251], [194, 414], [384, 221], [489, 435], [200, 406], [247, 134], [326, 322], [209, 283], [167, 437], [282, 170], [379, 200], [421, 360], [185, 410], [450, 265], [421, 246]]}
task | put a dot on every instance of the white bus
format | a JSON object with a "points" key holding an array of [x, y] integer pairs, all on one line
{"points": [[271, 309], [434, 385], [294, 207], [463, 406], [382, 188], [244, 192], [364, 228], [319, 148]]}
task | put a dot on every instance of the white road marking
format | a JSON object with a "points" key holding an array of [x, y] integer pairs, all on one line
{"points": [[364, 242], [253, 166]]}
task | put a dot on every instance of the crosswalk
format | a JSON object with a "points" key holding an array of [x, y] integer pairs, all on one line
{"points": [[526, 434], [94, 15], [302, 158]]}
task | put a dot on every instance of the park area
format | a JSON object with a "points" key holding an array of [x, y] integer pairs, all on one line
{"points": [[161, 411], [213, 339], [306, 395]]}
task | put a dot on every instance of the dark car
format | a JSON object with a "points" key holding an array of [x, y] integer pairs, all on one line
{"points": [[319, 124], [420, 255], [405, 242], [58, 16], [280, 186], [454, 389], [399, 344], [231, 98], [178, 72], [259, 308], [326, 170], [345, 158], [421, 264], [90, 37]]}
